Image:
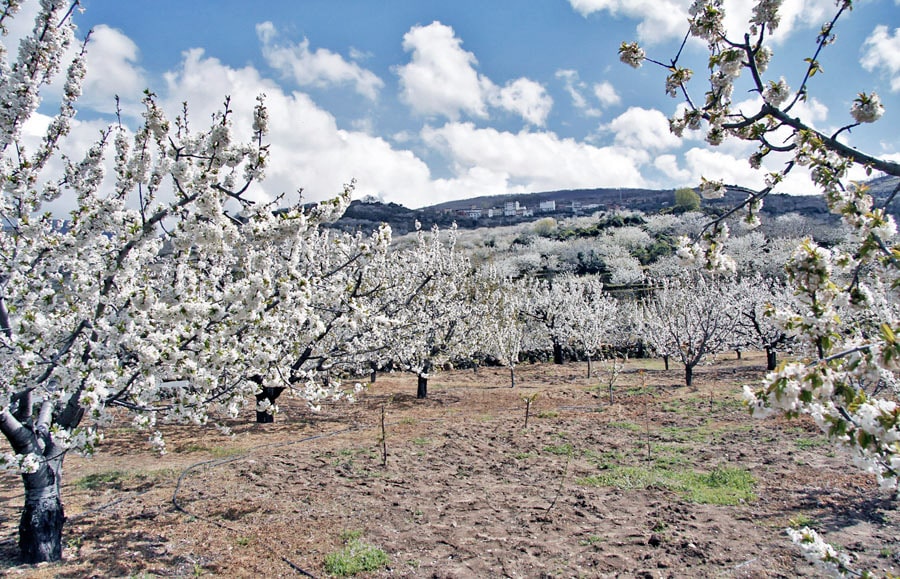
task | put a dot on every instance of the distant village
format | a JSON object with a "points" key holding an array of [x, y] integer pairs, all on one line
{"points": [[516, 209]]}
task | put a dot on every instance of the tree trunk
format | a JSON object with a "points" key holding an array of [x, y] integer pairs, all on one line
{"points": [[557, 353], [270, 393], [640, 349], [512, 376], [738, 352], [374, 375], [771, 359], [590, 367], [666, 360], [688, 375], [40, 528], [422, 391]]}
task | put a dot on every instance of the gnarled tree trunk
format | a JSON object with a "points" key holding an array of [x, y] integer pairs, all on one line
{"points": [[771, 359], [270, 393], [557, 352], [40, 528]]}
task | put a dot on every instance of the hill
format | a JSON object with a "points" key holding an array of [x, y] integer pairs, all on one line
{"points": [[502, 210]]}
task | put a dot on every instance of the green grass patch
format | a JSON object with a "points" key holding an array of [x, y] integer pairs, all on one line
{"points": [[522, 455], [625, 425], [547, 414], [101, 480], [560, 449], [721, 486], [805, 443], [355, 557], [801, 520]]}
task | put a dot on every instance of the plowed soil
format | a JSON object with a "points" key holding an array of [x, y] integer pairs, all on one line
{"points": [[466, 489]]}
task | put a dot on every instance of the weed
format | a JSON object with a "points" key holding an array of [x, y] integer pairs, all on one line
{"points": [[801, 520], [721, 486], [347, 536], [522, 455], [560, 449], [804, 443], [75, 543], [356, 556], [243, 541], [421, 441], [96, 481], [590, 541], [625, 425], [547, 414]]}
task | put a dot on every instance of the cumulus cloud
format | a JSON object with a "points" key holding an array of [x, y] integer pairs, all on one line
{"points": [[536, 161], [112, 70], [440, 79], [318, 68], [526, 98], [640, 128], [604, 92], [662, 20], [307, 148], [881, 51]]}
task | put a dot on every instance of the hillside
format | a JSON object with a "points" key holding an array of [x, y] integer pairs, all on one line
{"points": [[501, 210]]}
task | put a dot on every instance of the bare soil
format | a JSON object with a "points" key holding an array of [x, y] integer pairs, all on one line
{"points": [[468, 490]]}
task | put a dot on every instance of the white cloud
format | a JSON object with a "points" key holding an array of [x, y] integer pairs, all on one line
{"points": [[606, 94], [538, 161], [661, 20], [674, 175], [307, 148], [526, 98], [643, 129], [440, 79], [112, 70], [319, 68], [882, 52]]}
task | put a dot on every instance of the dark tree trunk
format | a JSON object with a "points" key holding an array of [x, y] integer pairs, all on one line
{"points": [[640, 349], [40, 528], [422, 390], [771, 359], [374, 375], [738, 352], [557, 353], [512, 376], [688, 375], [270, 393], [666, 360], [590, 367]]}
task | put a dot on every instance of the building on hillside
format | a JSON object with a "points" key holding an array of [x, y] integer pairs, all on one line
{"points": [[547, 206], [513, 209], [471, 213]]}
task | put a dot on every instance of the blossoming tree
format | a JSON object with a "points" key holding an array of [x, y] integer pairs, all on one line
{"points": [[428, 306], [834, 384], [690, 318], [159, 301]]}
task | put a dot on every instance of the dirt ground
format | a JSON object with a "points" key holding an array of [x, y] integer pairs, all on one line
{"points": [[469, 491]]}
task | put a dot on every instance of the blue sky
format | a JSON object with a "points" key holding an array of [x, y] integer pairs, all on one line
{"points": [[422, 101]]}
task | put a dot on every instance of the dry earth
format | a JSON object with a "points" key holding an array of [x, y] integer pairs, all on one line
{"points": [[585, 490]]}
